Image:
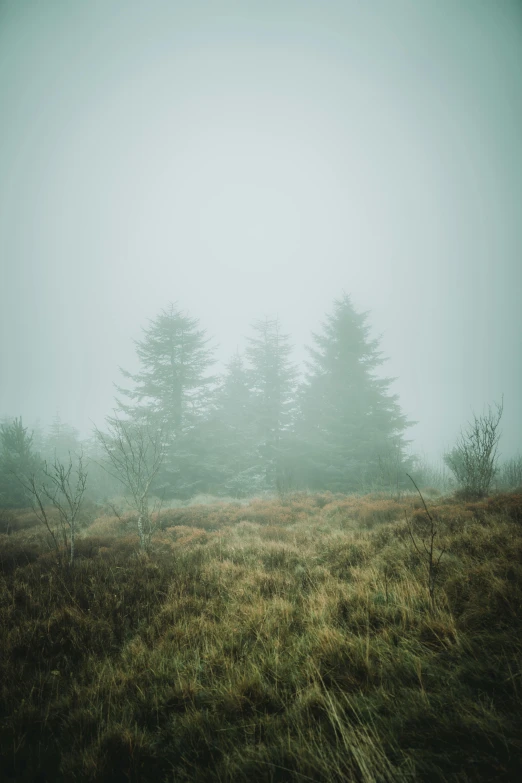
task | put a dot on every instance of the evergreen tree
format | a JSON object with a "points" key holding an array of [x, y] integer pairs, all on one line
{"points": [[272, 380], [172, 390], [62, 441], [18, 462], [350, 426], [102, 485], [172, 385], [231, 435]]}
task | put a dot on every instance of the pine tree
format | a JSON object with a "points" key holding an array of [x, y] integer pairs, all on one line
{"points": [[232, 434], [350, 426], [18, 463], [172, 385], [273, 380], [172, 390], [62, 441]]}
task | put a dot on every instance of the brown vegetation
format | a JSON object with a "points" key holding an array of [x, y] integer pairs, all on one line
{"points": [[266, 642]]}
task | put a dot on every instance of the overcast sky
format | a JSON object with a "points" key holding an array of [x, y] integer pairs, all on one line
{"points": [[259, 158]]}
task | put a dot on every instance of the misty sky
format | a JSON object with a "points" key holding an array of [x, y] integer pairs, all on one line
{"points": [[259, 158]]}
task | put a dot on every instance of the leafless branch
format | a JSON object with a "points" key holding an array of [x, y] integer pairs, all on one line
{"points": [[428, 545], [473, 460], [63, 490], [135, 452]]}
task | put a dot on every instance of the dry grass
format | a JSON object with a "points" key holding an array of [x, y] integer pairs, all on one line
{"points": [[267, 642]]}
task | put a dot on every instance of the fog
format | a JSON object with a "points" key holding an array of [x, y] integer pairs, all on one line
{"points": [[262, 158]]}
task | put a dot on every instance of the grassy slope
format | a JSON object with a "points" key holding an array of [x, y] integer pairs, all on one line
{"points": [[268, 642]]}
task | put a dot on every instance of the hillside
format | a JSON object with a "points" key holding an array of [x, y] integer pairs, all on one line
{"points": [[279, 640]]}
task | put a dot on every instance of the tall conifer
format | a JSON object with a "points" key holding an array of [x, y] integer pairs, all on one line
{"points": [[273, 381], [172, 390], [172, 384], [349, 424]]}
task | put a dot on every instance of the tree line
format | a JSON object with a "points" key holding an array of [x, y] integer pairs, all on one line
{"points": [[258, 426], [179, 430]]}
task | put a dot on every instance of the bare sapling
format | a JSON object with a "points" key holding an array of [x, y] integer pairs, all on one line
{"points": [[134, 454], [63, 487], [426, 549]]}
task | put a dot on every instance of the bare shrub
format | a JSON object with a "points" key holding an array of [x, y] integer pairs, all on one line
{"points": [[135, 452], [473, 460], [63, 488]]}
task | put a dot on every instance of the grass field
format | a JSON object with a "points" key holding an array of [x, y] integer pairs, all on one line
{"points": [[288, 640]]}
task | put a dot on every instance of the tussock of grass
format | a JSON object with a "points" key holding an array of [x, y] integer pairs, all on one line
{"points": [[268, 641]]}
